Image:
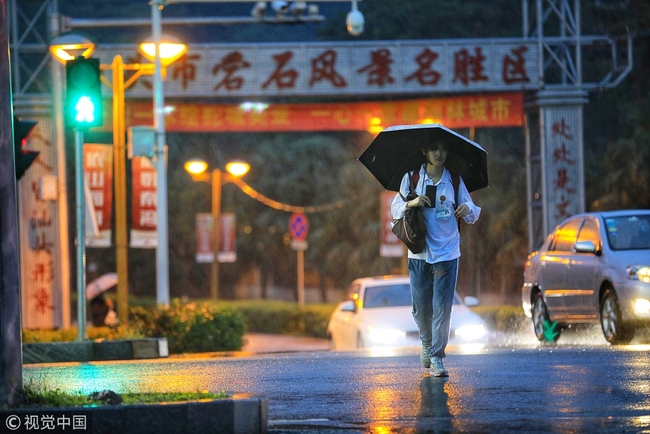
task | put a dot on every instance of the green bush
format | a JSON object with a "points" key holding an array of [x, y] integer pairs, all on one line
{"points": [[192, 327], [278, 317], [69, 335]]}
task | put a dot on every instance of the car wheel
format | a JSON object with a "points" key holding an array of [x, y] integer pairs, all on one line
{"points": [[360, 343], [611, 320], [544, 329]]}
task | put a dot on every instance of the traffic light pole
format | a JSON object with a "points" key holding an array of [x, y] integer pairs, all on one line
{"points": [[81, 227]]}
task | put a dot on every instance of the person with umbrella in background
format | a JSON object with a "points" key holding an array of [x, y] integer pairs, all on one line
{"points": [[434, 271]]}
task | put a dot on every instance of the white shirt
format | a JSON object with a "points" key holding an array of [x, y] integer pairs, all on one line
{"points": [[443, 238]]}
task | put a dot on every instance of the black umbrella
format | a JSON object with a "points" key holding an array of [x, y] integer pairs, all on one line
{"points": [[398, 150]]}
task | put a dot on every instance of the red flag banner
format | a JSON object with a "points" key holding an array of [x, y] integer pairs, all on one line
{"points": [[98, 172], [486, 110], [143, 205]]}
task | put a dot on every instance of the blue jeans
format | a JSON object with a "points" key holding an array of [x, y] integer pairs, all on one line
{"points": [[432, 291]]}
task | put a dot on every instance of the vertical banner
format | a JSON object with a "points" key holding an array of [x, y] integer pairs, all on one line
{"points": [[98, 173], [227, 238], [562, 160], [389, 246], [204, 251], [143, 205]]}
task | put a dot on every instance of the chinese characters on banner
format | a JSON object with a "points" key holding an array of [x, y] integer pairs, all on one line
{"points": [[41, 306], [227, 238], [390, 245], [335, 68], [98, 172], [563, 157], [143, 205], [37, 287], [487, 110]]}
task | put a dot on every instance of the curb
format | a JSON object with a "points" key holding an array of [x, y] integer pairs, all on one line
{"points": [[240, 414], [87, 351]]}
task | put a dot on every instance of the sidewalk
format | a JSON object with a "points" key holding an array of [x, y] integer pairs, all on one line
{"points": [[267, 343]]}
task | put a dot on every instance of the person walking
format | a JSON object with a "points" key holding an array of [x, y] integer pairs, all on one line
{"points": [[433, 272]]}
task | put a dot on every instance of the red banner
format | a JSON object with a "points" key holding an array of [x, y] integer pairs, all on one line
{"points": [[488, 110], [143, 205], [98, 172]]}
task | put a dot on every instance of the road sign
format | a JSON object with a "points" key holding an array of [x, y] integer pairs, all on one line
{"points": [[298, 226]]}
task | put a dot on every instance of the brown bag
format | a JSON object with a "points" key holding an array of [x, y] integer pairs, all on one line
{"points": [[410, 229]]}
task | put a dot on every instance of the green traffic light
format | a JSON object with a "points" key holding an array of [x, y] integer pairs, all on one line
{"points": [[85, 110], [83, 93]]}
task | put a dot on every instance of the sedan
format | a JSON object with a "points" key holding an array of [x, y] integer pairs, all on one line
{"points": [[378, 314], [593, 268]]}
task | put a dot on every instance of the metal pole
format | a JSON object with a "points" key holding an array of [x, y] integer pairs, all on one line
{"points": [[301, 277], [11, 363], [81, 227], [162, 255], [216, 228], [119, 167], [63, 246]]}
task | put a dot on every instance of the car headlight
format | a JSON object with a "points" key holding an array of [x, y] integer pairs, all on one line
{"points": [[384, 336], [471, 332], [638, 272], [641, 306]]}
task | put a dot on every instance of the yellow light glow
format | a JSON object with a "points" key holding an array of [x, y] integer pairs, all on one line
{"points": [[238, 168], [641, 305], [375, 129], [64, 53], [71, 45], [374, 125], [196, 167], [170, 50], [644, 274]]}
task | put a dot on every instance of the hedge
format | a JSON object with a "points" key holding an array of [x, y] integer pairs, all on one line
{"points": [[191, 327]]}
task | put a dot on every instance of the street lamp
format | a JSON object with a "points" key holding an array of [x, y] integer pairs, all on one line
{"points": [[234, 169], [66, 47]]}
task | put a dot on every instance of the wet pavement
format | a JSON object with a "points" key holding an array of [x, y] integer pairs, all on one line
{"points": [[516, 385]]}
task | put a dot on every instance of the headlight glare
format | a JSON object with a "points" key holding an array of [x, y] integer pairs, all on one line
{"points": [[385, 336], [471, 332]]}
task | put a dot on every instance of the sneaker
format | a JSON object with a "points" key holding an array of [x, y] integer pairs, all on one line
{"points": [[424, 357], [437, 368]]}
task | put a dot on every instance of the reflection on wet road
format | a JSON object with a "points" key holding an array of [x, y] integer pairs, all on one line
{"points": [[504, 388]]}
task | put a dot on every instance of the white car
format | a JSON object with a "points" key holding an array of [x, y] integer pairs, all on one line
{"points": [[379, 314]]}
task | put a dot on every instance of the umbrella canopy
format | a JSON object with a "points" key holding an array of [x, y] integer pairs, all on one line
{"points": [[101, 284], [398, 150]]}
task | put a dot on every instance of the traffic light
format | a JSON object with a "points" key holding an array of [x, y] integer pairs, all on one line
{"points": [[22, 156], [83, 106]]}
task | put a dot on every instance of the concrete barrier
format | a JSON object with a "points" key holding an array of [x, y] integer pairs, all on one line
{"points": [[86, 351], [238, 414]]}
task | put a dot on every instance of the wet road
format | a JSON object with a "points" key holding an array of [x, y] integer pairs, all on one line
{"points": [[513, 386]]}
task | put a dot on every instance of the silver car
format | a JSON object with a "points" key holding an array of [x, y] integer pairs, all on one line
{"points": [[594, 267]]}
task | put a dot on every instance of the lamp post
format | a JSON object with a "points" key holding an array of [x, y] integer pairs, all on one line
{"points": [[66, 47], [234, 169]]}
